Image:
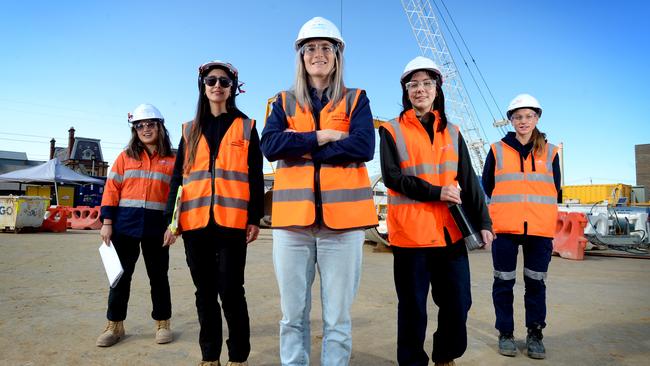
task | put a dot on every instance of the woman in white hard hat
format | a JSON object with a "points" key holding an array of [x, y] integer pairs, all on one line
{"points": [[522, 177], [132, 213], [320, 133], [221, 202], [424, 161]]}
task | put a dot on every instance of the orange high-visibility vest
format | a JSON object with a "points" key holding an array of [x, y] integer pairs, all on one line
{"points": [[345, 191], [413, 223], [140, 183], [523, 197], [225, 188]]}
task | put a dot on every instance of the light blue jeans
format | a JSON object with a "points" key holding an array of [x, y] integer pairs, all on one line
{"points": [[337, 255]]}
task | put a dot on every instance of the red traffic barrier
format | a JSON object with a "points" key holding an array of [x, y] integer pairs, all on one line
{"points": [[569, 241], [84, 218], [56, 220]]}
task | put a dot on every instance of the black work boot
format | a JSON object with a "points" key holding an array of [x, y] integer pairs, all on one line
{"points": [[534, 344], [507, 345]]}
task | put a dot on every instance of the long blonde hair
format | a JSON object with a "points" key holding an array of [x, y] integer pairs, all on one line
{"points": [[336, 87]]}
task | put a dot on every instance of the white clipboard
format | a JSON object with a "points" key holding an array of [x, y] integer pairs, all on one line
{"points": [[111, 262]]}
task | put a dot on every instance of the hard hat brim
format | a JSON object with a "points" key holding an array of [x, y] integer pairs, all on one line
{"points": [[300, 41]]}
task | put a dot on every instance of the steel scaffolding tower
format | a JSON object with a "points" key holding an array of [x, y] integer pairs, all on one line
{"points": [[458, 106]]}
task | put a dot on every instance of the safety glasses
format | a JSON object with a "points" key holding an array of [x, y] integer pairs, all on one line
{"points": [[213, 80]]}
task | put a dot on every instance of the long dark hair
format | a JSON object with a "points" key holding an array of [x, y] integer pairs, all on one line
{"points": [[163, 145], [438, 103], [202, 110]]}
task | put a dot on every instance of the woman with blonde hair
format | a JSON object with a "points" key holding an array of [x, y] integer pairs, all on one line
{"points": [[320, 133]]}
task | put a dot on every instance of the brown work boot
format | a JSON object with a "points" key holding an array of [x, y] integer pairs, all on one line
{"points": [[445, 363], [210, 363], [163, 333], [230, 363], [112, 334]]}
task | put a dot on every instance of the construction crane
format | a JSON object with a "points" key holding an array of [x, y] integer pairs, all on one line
{"points": [[458, 105]]}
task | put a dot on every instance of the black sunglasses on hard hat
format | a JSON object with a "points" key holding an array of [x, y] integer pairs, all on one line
{"points": [[224, 82]]}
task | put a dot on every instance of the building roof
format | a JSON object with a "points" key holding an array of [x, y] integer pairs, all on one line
{"points": [[86, 149], [13, 155]]}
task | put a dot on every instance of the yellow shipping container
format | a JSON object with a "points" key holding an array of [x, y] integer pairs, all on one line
{"points": [[595, 193]]}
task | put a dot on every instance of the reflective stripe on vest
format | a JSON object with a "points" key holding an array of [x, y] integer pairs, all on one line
{"points": [[219, 200], [523, 201], [345, 191], [225, 190], [413, 223], [150, 205]]}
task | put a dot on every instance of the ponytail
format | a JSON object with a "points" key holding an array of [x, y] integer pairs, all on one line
{"points": [[539, 141]]}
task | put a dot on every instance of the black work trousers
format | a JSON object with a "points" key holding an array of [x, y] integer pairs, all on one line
{"points": [[156, 260], [444, 271], [217, 259]]}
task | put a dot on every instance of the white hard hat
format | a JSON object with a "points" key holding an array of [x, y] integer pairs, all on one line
{"points": [[319, 27], [145, 111], [421, 63], [216, 63], [524, 101]]}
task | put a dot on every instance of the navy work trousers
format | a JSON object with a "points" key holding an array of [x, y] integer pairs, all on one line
{"points": [[445, 271], [537, 256]]}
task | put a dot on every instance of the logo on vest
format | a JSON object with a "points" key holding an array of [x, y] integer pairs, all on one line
{"points": [[238, 143]]}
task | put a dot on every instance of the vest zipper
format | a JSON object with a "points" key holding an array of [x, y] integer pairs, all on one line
{"points": [[213, 157], [317, 193]]}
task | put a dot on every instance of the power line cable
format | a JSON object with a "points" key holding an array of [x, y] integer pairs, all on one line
{"points": [[58, 107], [479, 124], [473, 60], [444, 21], [56, 138]]}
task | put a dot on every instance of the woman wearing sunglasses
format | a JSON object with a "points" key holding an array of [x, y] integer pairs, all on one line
{"points": [[424, 161], [219, 165], [320, 133], [522, 177], [132, 214]]}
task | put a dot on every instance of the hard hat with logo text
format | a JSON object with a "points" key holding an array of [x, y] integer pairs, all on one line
{"points": [[145, 111], [524, 101], [319, 27]]}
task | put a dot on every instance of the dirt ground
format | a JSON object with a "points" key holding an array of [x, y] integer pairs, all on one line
{"points": [[53, 295]]}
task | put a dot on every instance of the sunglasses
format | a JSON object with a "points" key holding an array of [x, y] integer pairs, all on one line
{"points": [[213, 80], [139, 126]]}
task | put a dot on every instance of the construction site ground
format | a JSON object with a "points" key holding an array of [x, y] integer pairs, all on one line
{"points": [[53, 293]]}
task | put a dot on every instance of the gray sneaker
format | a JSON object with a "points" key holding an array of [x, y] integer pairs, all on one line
{"points": [[535, 345], [507, 345]]}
